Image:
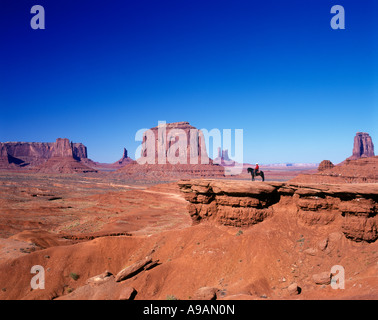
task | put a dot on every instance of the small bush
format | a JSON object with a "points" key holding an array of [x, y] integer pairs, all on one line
{"points": [[74, 276], [171, 297], [240, 232]]}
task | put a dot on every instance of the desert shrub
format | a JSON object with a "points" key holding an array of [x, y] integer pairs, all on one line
{"points": [[74, 276]]}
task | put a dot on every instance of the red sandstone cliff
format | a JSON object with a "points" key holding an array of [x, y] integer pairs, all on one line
{"points": [[63, 160], [177, 141], [363, 146], [35, 153]]}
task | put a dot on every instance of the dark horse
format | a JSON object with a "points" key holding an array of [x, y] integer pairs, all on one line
{"points": [[253, 174]]}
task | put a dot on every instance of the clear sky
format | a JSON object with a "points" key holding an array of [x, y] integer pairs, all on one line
{"points": [[102, 70]]}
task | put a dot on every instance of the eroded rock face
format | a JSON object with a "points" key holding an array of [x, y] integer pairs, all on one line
{"points": [[63, 160], [234, 203], [363, 146], [324, 165], [171, 151], [241, 203], [35, 153], [4, 163]]}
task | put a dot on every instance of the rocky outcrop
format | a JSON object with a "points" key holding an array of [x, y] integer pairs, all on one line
{"points": [[36, 153], [363, 170], [170, 152], [4, 163], [101, 287], [363, 146], [63, 160], [223, 158], [161, 140], [125, 160], [241, 204], [324, 165], [361, 167]]}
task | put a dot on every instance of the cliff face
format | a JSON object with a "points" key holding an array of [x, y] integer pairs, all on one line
{"points": [[36, 153], [162, 138], [64, 160], [363, 146], [177, 141], [241, 204], [4, 162]]}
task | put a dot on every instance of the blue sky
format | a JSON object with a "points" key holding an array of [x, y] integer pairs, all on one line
{"points": [[102, 70]]}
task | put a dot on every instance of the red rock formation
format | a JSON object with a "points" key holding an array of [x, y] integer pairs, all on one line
{"points": [[239, 203], [36, 153], [155, 161], [4, 163], [223, 158], [363, 146], [163, 137], [361, 167], [63, 160], [125, 160], [350, 171], [324, 165]]}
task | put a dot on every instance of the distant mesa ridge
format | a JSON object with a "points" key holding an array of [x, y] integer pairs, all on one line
{"points": [[35, 153], [61, 156]]}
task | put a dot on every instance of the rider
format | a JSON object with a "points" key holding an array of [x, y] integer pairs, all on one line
{"points": [[257, 168]]}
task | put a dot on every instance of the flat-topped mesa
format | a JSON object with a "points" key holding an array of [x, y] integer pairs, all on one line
{"points": [[171, 151], [63, 160], [169, 139], [36, 153], [363, 146], [350, 207]]}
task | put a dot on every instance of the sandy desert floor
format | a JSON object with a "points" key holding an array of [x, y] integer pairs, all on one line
{"points": [[71, 224]]}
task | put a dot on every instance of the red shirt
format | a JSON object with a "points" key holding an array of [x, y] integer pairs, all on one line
{"points": [[257, 167]]}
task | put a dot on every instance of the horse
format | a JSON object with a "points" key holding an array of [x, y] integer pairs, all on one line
{"points": [[253, 174]]}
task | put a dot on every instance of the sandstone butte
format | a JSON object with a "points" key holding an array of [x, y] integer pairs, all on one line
{"points": [[363, 146], [361, 167], [62, 160], [156, 171]]}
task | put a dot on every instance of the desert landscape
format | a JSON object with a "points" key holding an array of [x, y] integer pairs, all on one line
{"points": [[185, 232], [189, 154]]}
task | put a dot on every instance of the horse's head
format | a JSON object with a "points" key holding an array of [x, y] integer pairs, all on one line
{"points": [[250, 170]]}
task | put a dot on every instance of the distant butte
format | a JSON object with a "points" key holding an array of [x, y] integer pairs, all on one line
{"points": [[361, 167], [125, 160], [63, 160], [363, 146], [205, 166]]}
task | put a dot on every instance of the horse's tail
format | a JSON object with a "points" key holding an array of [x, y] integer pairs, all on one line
{"points": [[262, 175]]}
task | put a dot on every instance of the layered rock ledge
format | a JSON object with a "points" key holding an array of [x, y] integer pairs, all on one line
{"points": [[244, 203]]}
